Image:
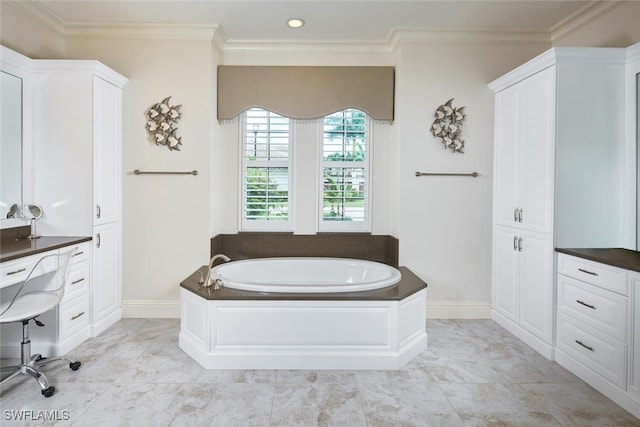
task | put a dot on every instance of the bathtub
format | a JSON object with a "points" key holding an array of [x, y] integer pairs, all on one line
{"points": [[304, 313], [306, 275]]}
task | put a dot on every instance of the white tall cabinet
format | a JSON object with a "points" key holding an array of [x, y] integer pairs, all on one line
{"points": [[558, 154], [77, 135]]}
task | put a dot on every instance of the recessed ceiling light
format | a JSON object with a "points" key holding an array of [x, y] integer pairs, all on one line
{"points": [[295, 23]]}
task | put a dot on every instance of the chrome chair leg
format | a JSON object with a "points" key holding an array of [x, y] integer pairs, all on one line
{"points": [[30, 363]]}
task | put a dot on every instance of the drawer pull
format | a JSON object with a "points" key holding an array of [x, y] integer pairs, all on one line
{"points": [[75, 282], [77, 315], [587, 272], [584, 345], [16, 272], [78, 253], [585, 304]]}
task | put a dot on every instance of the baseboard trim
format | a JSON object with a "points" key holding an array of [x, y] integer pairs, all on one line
{"points": [[458, 309], [435, 309], [166, 309]]}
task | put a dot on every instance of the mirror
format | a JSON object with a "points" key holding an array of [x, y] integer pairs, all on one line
{"points": [[10, 145], [32, 213]]}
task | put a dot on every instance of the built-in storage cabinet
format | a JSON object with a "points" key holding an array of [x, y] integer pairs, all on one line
{"points": [[107, 142], [524, 149], [74, 311], [592, 318], [556, 178], [598, 332], [68, 324], [634, 371], [107, 272], [78, 169]]}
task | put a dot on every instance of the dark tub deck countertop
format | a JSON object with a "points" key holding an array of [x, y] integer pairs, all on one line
{"points": [[617, 257], [408, 285]]}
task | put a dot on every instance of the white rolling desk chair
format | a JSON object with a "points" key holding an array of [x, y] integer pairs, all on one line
{"points": [[38, 294]]}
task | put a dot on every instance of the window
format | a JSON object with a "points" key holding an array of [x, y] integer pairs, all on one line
{"points": [[339, 195], [266, 178], [344, 193]]}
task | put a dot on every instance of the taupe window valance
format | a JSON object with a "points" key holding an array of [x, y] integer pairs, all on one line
{"points": [[305, 92]]}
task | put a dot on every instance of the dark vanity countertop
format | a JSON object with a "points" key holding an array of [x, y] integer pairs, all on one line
{"points": [[15, 249], [408, 285], [617, 257]]}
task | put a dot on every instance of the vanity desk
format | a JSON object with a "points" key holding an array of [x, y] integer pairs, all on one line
{"points": [[68, 324], [598, 320]]}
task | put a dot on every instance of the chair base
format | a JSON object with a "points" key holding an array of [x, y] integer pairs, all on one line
{"points": [[30, 364]]}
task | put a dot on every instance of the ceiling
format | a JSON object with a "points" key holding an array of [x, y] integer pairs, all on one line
{"points": [[326, 20]]}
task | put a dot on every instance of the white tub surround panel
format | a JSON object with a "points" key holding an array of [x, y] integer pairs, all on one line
{"points": [[559, 132], [231, 329]]}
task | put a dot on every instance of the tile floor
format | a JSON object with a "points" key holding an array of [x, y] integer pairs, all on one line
{"points": [[474, 373]]}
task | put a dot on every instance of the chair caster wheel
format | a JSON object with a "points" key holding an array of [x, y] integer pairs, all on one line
{"points": [[48, 392], [74, 366]]}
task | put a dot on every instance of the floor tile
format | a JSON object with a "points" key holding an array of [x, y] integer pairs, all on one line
{"points": [[474, 373]]}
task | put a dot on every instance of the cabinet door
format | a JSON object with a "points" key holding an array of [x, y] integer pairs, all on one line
{"points": [[537, 151], [107, 137], [506, 169], [536, 285], [634, 371], [505, 273], [106, 277]]}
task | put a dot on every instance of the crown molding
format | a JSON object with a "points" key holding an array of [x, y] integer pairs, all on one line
{"points": [[633, 52], [143, 31], [165, 31], [581, 17], [408, 35], [305, 46]]}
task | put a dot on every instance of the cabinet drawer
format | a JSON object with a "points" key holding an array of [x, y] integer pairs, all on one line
{"points": [[83, 253], [74, 316], [604, 276], [596, 307], [604, 355], [78, 280], [16, 271]]}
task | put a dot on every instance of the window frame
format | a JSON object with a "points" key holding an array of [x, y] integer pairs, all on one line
{"points": [[244, 223], [321, 164]]}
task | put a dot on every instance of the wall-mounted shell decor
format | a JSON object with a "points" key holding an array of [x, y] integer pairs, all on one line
{"points": [[448, 126], [162, 120]]}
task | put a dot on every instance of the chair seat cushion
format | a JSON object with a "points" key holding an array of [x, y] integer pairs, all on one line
{"points": [[29, 306]]}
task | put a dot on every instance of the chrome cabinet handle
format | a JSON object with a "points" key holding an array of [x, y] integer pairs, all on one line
{"points": [[587, 272], [98, 211], [520, 215], [77, 315], [16, 272], [78, 253], [520, 244], [515, 243], [98, 240], [584, 345], [585, 304], [515, 215], [75, 282]]}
